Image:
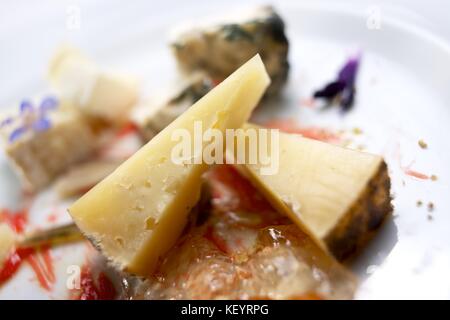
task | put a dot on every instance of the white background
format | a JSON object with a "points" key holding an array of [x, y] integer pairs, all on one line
{"points": [[30, 30]]}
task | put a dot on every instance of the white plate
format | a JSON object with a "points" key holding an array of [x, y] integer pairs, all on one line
{"points": [[402, 95]]}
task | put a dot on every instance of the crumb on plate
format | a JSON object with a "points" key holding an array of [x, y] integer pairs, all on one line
{"points": [[422, 144]]}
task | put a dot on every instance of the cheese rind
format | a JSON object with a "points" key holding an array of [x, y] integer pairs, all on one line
{"points": [[136, 214], [221, 46], [337, 195]]}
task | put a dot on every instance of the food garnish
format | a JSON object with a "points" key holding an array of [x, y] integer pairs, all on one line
{"points": [[12, 227], [30, 118], [342, 90]]}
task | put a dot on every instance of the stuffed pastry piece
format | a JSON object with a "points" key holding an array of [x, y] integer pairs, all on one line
{"points": [[240, 248], [221, 47], [43, 144]]}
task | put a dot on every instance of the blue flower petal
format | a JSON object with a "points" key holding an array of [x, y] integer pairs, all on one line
{"points": [[41, 124], [17, 133], [48, 103], [26, 106], [6, 122]]}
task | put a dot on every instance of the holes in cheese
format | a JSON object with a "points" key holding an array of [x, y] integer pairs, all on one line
{"points": [[340, 196], [136, 214]]}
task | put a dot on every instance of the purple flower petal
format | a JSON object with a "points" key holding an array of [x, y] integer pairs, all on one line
{"points": [[48, 103], [6, 122], [343, 88], [347, 98], [330, 91], [17, 133], [26, 106], [42, 124], [348, 72]]}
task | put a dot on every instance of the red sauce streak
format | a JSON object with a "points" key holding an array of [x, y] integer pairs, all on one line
{"points": [[52, 217], [249, 198], [39, 260], [45, 276], [16, 220], [217, 240], [416, 174], [12, 264], [127, 129], [48, 262], [315, 133], [407, 169], [99, 288], [216, 82]]}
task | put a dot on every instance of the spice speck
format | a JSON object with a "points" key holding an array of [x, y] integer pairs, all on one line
{"points": [[357, 131], [422, 144]]}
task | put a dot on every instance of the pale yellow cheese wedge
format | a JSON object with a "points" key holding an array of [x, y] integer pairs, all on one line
{"points": [[337, 195], [103, 94], [7, 240], [136, 214]]}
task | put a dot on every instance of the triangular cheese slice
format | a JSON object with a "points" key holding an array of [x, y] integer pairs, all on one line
{"points": [[338, 195], [136, 214]]}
